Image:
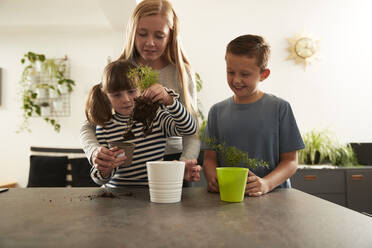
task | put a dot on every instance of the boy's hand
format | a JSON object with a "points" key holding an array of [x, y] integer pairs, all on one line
{"points": [[212, 182], [192, 171], [256, 186], [156, 92], [213, 185]]}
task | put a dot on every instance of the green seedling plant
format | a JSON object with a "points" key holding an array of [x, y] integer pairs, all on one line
{"points": [[143, 76], [233, 156], [144, 110]]}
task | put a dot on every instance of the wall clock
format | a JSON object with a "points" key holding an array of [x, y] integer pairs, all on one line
{"points": [[303, 49]]}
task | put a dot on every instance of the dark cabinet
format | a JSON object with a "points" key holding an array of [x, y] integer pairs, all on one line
{"points": [[359, 190], [349, 187], [328, 184]]}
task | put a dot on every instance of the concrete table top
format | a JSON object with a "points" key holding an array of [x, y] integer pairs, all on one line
{"points": [[82, 217]]}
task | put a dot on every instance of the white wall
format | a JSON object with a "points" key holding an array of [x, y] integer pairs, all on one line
{"points": [[334, 92]]}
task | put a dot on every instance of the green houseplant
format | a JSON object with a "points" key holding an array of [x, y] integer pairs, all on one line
{"points": [[40, 75], [321, 147], [233, 156], [202, 120]]}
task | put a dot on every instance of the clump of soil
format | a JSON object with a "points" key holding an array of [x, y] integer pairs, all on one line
{"points": [[144, 111], [127, 194], [107, 195], [101, 195]]}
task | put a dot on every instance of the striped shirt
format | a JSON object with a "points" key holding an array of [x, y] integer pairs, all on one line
{"points": [[172, 120]]}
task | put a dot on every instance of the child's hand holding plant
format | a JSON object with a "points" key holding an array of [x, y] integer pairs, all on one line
{"points": [[157, 93]]}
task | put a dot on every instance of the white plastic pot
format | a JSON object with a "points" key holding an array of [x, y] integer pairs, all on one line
{"points": [[58, 105], [53, 93], [38, 65], [45, 111], [41, 93], [63, 88]]}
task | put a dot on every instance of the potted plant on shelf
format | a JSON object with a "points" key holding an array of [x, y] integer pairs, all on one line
{"points": [[35, 60], [45, 109], [41, 91], [65, 85], [321, 147], [56, 70], [31, 73]]}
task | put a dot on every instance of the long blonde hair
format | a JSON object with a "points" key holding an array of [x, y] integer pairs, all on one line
{"points": [[174, 52], [98, 109]]}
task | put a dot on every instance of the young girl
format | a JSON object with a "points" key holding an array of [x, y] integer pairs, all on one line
{"points": [[153, 40], [117, 92]]}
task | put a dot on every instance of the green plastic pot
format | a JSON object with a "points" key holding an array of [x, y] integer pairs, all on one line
{"points": [[231, 182]]}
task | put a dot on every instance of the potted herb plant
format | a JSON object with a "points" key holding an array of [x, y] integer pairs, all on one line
{"points": [[233, 156]]}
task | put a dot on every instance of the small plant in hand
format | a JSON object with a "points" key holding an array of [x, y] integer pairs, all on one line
{"points": [[144, 110], [233, 156]]}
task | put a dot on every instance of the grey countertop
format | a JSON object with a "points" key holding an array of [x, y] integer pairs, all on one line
{"points": [[81, 217]]}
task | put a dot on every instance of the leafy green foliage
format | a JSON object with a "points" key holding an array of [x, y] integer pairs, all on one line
{"points": [[143, 76], [233, 156], [33, 57], [30, 80], [69, 83], [199, 87], [322, 148]]}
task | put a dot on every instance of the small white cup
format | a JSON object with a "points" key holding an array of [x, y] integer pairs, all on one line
{"points": [[165, 180]]}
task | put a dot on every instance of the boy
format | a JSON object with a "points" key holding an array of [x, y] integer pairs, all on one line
{"points": [[253, 121]]}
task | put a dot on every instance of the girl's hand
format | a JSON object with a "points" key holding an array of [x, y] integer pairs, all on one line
{"points": [[256, 186], [192, 171], [156, 92], [105, 160]]}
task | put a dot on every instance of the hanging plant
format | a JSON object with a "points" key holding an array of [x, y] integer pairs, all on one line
{"points": [[39, 74]]}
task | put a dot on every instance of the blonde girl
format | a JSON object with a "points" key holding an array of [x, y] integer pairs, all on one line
{"points": [[153, 40]]}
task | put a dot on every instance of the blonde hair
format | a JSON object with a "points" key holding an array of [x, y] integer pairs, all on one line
{"points": [[98, 109], [174, 52]]}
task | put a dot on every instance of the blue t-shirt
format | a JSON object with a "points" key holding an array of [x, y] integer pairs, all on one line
{"points": [[264, 129]]}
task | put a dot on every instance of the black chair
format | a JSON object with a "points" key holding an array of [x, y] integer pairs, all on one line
{"points": [[80, 173], [363, 152], [59, 167], [47, 171]]}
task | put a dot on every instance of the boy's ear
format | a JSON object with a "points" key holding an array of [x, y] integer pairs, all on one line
{"points": [[264, 74]]}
